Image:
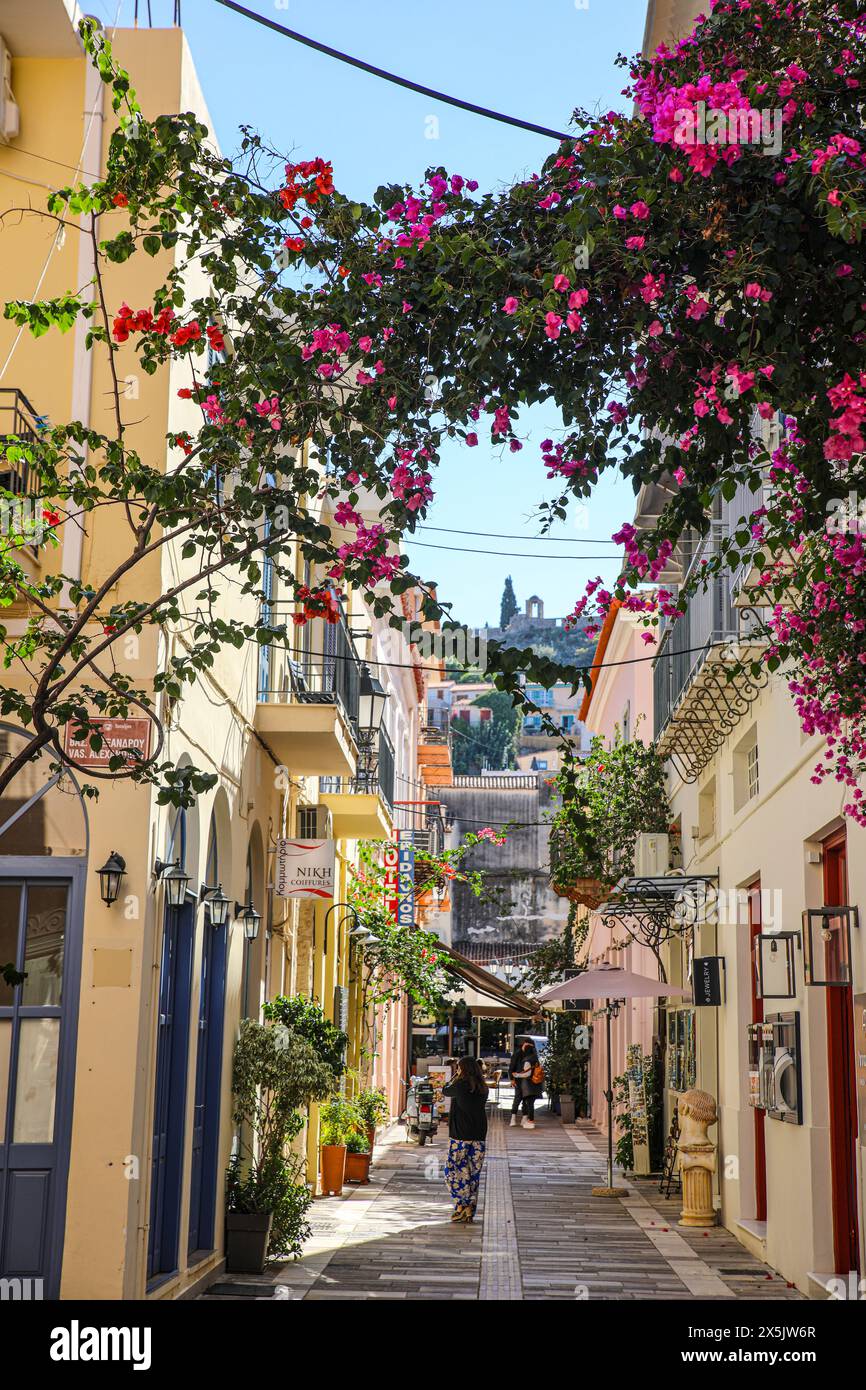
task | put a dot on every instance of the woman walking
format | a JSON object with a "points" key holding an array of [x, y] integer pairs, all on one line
{"points": [[515, 1066], [530, 1078], [467, 1130]]}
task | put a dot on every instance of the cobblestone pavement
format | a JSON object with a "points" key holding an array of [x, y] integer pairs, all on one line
{"points": [[539, 1234]]}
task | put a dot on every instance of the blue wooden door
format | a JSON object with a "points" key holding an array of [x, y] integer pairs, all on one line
{"points": [[40, 932], [208, 1085], [175, 986]]}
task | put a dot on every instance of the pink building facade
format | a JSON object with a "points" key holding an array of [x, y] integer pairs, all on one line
{"points": [[620, 703]]}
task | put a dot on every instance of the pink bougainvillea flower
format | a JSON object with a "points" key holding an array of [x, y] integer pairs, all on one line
{"points": [[511, 305]]}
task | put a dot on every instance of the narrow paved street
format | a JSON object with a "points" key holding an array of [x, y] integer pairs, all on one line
{"points": [[540, 1234]]}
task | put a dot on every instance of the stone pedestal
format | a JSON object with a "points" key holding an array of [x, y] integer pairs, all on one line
{"points": [[697, 1155], [697, 1165]]}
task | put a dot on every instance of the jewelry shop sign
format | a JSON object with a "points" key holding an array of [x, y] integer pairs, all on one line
{"points": [[304, 870]]}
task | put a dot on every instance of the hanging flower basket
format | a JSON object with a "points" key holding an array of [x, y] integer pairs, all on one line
{"points": [[590, 892]]}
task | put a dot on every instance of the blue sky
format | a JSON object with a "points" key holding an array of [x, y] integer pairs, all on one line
{"points": [[537, 59]]}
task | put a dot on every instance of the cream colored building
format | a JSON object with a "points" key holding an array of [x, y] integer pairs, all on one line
{"points": [[775, 848]]}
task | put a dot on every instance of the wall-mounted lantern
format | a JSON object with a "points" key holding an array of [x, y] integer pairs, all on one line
{"points": [[218, 903], [250, 918], [371, 705], [110, 875], [775, 973], [827, 944], [175, 880]]}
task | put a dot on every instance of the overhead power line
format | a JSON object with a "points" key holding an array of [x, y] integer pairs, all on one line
{"points": [[505, 554], [507, 536], [391, 76], [323, 659]]}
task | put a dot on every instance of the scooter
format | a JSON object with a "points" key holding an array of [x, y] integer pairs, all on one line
{"points": [[420, 1115]]}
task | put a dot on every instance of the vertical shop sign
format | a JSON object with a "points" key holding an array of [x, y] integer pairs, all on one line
{"points": [[392, 880], [406, 886], [638, 1109]]}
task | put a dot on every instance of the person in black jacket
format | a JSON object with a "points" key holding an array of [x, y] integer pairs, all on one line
{"points": [[467, 1130], [530, 1089]]}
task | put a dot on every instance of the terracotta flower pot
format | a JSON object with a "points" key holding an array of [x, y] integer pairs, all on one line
{"points": [[371, 1136], [358, 1167], [333, 1168], [588, 891]]}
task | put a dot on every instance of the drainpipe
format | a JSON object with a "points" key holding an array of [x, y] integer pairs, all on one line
{"points": [[82, 360]]}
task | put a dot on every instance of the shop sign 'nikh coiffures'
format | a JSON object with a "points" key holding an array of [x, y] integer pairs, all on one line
{"points": [[305, 869]]}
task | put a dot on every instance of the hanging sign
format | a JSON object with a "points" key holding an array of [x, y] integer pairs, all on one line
{"points": [[707, 981], [129, 738], [405, 886], [638, 1109], [392, 880], [304, 870]]}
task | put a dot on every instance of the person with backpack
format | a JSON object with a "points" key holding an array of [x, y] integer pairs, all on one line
{"points": [[514, 1066], [530, 1078], [467, 1130]]}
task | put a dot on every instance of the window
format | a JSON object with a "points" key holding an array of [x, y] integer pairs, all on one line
{"points": [[707, 810], [746, 780], [752, 770]]}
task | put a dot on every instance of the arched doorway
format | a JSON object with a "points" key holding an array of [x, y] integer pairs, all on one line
{"points": [[43, 862]]}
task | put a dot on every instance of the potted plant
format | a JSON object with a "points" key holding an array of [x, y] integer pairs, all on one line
{"points": [[338, 1121], [252, 1195], [372, 1108], [275, 1075], [358, 1158], [608, 799]]}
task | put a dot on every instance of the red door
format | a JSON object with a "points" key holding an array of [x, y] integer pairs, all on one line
{"points": [[843, 1086], [754, 891]]}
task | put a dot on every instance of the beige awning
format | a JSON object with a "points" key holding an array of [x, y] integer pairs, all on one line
{"points": [[484, 994]]}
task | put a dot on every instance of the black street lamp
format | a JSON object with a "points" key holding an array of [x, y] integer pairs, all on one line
{"points": [[110, 875], [250, 919], [175, 879], [217, 902], [371, 704]]}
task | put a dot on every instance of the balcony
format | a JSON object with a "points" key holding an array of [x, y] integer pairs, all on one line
{"points": [[362, 806], [703, 684], [19, 424], [307, 703]]}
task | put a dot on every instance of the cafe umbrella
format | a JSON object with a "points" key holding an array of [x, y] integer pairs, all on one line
{"points": [[614, 985]]}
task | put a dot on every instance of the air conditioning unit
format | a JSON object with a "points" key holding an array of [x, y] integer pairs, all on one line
{"points": [[651, 855], [314, 823], [10, 116]]}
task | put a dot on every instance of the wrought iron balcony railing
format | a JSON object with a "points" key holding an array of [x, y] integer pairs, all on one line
{"points": [[686, 643], [375, 775], [328, 673], [19, 424]]}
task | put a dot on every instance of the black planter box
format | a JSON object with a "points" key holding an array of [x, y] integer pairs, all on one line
{"points": [[247, 1236]]}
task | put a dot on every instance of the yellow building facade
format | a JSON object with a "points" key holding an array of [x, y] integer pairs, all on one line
{"points": [[116, 1052]]}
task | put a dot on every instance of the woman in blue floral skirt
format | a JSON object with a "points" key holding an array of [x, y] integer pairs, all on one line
{"points": [[467, 1128]]}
